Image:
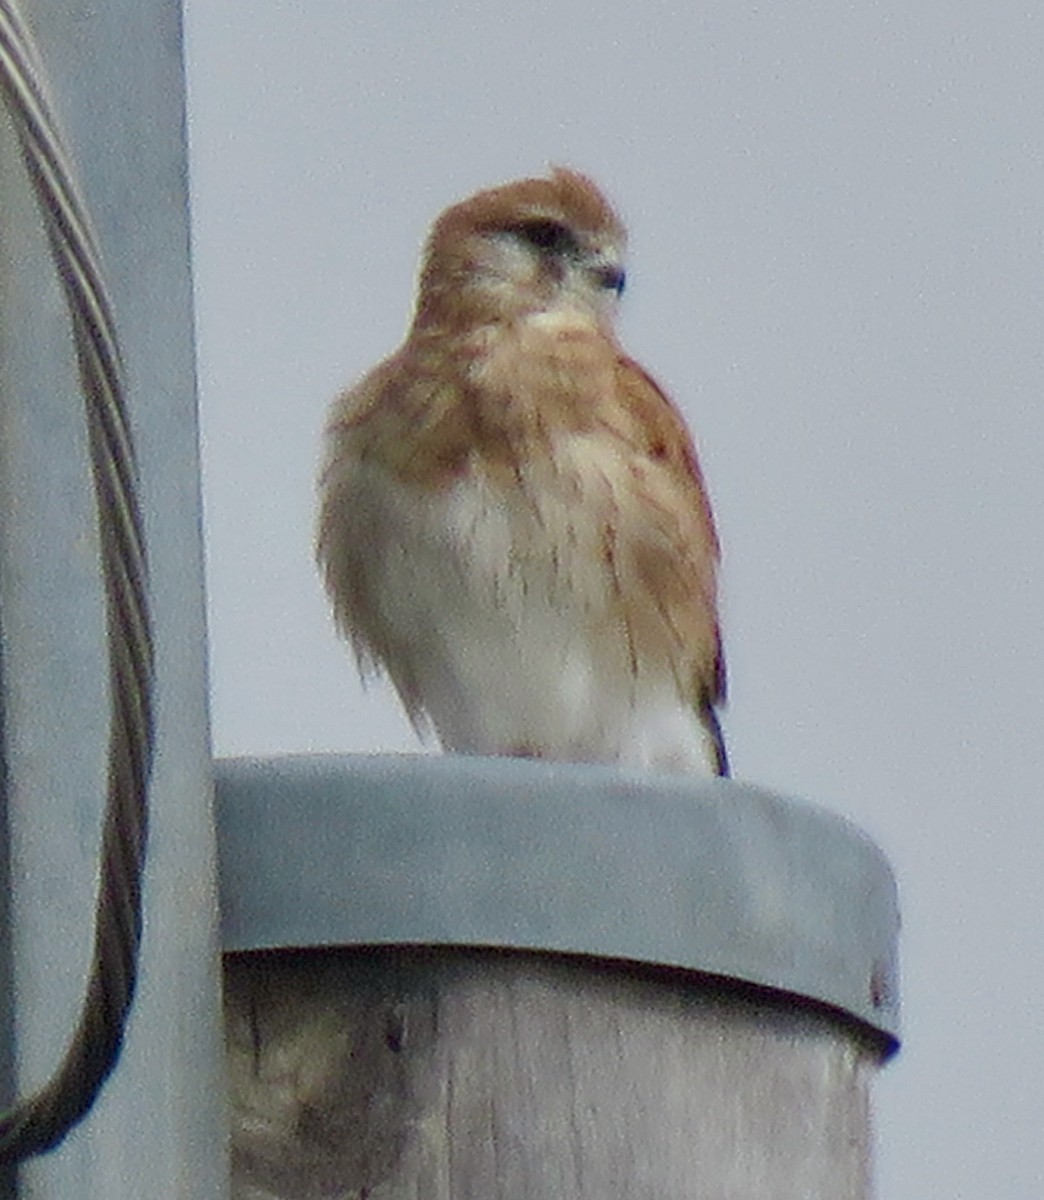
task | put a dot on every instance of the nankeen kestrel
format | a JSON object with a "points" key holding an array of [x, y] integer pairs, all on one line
{"points": [[513, 521]]}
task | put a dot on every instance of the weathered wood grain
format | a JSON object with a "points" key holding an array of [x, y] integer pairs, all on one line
{"points": [[454, 1074]]}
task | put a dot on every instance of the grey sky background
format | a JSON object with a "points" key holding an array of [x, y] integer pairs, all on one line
{"points": [[836, 215]]}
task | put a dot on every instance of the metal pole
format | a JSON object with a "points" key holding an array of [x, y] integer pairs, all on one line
{"points": [[116, 78], [8, 1174]]}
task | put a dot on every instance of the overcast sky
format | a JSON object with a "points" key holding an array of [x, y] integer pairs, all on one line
{"points": [[836, 215]]}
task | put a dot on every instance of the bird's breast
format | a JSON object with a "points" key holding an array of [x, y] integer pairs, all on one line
{"points": [[549, 372], [511, 617]]}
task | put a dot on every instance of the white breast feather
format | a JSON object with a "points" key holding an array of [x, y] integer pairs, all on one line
{"points": [[500, 600]]}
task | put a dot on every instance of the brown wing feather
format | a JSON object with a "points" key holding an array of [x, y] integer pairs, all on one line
{"points": [[682, 574]]}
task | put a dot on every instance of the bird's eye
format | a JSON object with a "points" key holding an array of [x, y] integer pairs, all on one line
{"points": [[552, 236]]}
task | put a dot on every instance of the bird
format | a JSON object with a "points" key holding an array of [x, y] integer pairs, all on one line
{"points": [[513, 524]]}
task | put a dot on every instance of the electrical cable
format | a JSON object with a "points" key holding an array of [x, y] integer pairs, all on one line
{"points": [[40, 1122]]}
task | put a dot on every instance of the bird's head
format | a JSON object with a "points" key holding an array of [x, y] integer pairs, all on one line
{"points": [[549, 245]]}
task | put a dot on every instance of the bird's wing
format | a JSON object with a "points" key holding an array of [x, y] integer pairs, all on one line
{"points": [[679, 566]]}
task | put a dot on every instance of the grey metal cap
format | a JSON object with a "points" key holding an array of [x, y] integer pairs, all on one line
{"points": [[708, 875]]}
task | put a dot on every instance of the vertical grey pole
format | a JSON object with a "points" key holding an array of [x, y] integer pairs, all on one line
{"points": [[8, 1177], [116, 78]]}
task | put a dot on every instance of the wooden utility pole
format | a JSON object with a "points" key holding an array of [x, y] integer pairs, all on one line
{"points": [[489, 980]]}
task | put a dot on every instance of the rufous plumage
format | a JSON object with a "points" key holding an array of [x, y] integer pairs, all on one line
{"points": [[513, 522]]}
